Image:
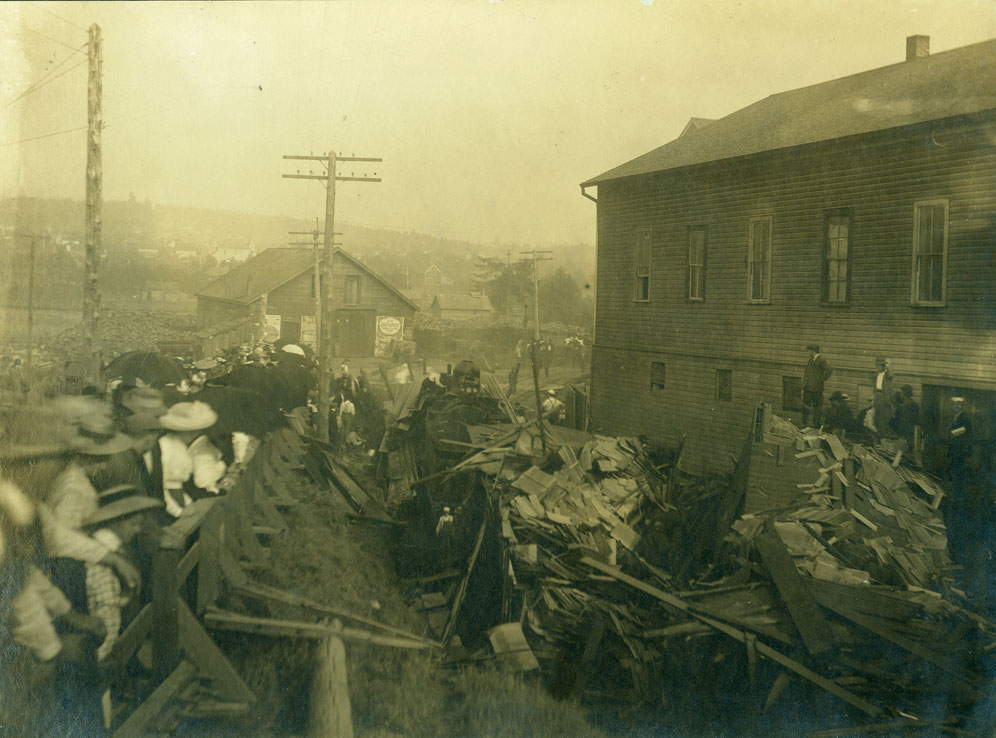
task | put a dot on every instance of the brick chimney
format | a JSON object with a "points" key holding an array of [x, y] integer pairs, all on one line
{"points": [[917, 47]]}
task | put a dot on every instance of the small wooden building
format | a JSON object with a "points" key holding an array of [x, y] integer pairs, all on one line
{"points": [[277, 289], [461, 306], [858, 214]]}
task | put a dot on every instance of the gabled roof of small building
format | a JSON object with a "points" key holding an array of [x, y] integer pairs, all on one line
{"points": [[463, 301], [943, 85], [271, 268]]}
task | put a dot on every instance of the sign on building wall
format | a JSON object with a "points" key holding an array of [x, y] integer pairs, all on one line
{"points": [[389, 330], [271, 328], [307, 331]]}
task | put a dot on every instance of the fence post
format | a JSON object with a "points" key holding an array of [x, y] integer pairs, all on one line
{"points": [[165, 627], [330, 715]]}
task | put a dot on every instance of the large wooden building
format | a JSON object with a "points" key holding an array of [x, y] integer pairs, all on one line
{"points": [[859, 214], [275, 290]]}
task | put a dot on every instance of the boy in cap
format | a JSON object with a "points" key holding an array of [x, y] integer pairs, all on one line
{"points": [[116, 523]]}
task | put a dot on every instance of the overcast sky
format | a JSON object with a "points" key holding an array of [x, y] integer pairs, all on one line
{"points": [[487, 113]]}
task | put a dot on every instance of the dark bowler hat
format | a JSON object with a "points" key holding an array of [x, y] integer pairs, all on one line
{"points": [[815, 347]]}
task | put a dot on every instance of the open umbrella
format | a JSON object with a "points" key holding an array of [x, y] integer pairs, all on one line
{"points": [[154, 369]]}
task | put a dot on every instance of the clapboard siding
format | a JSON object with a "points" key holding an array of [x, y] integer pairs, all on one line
{"points": [[878, 178]]}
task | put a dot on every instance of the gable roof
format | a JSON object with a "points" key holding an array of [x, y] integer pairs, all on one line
{"points": [[271, 268], [463, 301], [951, 83]]}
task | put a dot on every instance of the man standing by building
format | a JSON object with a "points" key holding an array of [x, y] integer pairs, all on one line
{"points": [[817, 372]]}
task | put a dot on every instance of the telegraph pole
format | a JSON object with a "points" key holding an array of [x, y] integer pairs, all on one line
{"points": [[94, 177], [316, 267], [329, 178], [537, 256]]}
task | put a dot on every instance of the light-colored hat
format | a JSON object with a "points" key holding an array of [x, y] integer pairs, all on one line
{"points": [[205, 364], [121, 501], [551, 392], [957, 399], [293, 348], [95, 436], [189, 416], [144, 400]]}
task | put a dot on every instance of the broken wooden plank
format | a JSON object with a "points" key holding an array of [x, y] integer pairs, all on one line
{"points": [[330, 713], [738, 635], [806, 615]]}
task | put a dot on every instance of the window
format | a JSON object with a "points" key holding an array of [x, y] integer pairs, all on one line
{"points": [[696, 263], [642, 266], [759, 260], [658, 370], [930, 245], [835, 258], [352, 296], [724, 384], [791, 393]]}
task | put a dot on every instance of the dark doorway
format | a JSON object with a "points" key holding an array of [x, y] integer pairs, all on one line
{"points": [[354, 332]]}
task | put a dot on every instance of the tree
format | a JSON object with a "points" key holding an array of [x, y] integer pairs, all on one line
{"points": [[506, 284], [563, 300]]}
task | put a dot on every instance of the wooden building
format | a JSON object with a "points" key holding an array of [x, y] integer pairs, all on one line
{"points": [[859, 214], [276, 288], [461, 306]]}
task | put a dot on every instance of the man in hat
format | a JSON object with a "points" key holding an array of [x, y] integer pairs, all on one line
{"points": [[116, 523], [184, 423], [73, 498], [882, 385], [906, 417], [815, 375], [553, 408], [839, 418]]}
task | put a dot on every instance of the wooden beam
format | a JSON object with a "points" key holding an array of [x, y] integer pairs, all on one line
{"points": [[139, 721], [203, 652], [128, 642], [464, 583], [224, 620], [806, 615], [737, 635]]}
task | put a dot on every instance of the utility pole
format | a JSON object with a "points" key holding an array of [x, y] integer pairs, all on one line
{"points": [[317, 274], [537, 256], [329, 178], [94, 177], [31, 306]]}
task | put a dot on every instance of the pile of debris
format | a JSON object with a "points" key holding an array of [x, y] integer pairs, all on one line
{"points": [[827, 559]]}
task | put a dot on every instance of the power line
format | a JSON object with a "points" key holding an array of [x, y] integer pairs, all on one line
{"points": [[64, 20], [42, 82], [45, 35], [44, 135]]}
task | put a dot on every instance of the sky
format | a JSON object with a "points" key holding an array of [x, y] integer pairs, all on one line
{"points": [[487, 113]]}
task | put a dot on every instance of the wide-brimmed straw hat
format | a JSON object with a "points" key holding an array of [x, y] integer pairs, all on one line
{"points": [[293, 348], [96, 436], [189, 416], [121, 501]]}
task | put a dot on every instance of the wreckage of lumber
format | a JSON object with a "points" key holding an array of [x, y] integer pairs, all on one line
{"points": [[214, 545], [738, 635]]}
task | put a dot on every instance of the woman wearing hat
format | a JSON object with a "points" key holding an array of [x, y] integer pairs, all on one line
{"points": [[185, 423]]}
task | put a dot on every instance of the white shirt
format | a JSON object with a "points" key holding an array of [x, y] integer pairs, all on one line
{"points": [[207, 466]]}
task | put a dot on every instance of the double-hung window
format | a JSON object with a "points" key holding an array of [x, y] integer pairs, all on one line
{"points": [[759, 260], [836, 255], [696, 262], [930, 248], [641, 272]]}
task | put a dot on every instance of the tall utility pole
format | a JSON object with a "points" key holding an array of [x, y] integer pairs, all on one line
{"points": [[94, 177], [328, 317], [537, 256], [317, 275]]}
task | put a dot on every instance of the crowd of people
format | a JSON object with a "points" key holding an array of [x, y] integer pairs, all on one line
{"points": [[88, 483]]}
